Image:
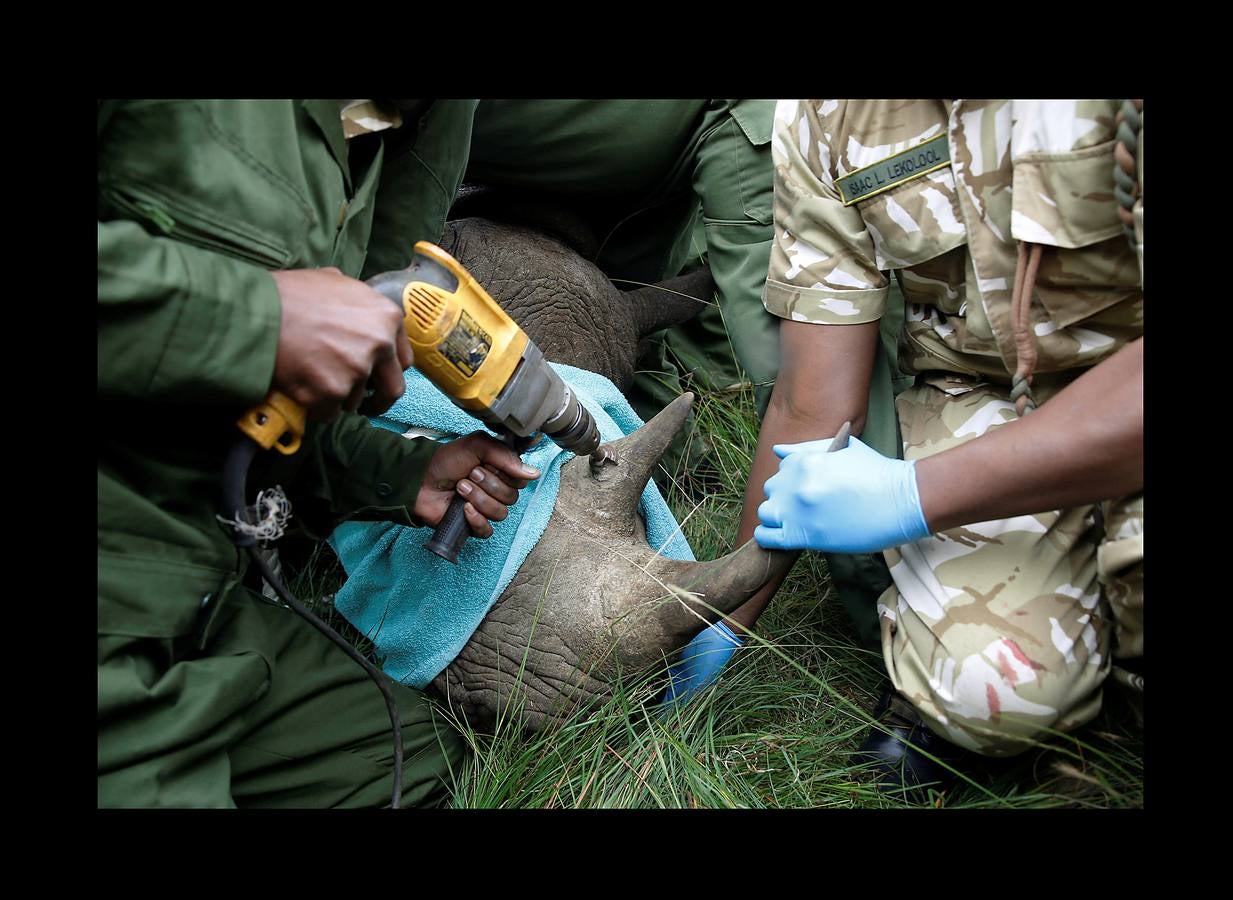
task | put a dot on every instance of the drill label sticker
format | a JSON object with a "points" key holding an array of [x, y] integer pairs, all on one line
{"points": [[467, 345], [894, 170]]}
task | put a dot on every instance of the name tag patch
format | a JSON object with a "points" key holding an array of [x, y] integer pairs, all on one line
{"points": [[894, 170]]}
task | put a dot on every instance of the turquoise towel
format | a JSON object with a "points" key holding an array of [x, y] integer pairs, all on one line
{"points": [[420, 610]]}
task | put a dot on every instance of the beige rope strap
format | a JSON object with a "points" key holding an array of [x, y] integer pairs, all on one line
{"points": [[1026, 268], [1126, 189]]}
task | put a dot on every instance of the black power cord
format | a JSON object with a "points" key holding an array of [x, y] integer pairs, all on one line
{"points": [[235, 477]]}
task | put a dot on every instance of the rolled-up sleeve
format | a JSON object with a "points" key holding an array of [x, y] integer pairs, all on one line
{"points": [[822, 267], [180, 323]]}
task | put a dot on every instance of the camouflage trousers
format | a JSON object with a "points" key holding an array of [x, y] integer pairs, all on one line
{"points": [[1002, 632]]}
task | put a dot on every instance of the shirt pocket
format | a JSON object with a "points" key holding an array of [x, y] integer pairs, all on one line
{"points": [[177, 217], [178, 168], [1064, 202], [733, 172], [753, 165]]}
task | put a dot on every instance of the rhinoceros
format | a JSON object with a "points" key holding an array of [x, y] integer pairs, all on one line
{"points": [[593, 602]]}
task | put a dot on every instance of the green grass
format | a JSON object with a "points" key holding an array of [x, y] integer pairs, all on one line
{"points": [[778, 729]]}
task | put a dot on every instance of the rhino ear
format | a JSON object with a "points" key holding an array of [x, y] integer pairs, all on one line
{"points": [[670, 302], [610, 491]]}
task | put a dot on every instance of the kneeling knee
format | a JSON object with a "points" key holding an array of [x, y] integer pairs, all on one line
{"points": [[996, 716]]}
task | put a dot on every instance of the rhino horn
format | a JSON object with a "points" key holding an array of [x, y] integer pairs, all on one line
{"points": [[707, 590], [609, 493]]}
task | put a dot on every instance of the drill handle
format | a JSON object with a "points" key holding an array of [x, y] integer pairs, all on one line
{"points": [[279, 421], [452, 533], [453, 530]]}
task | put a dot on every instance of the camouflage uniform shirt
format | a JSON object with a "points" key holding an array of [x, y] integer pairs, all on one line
{"points": [[940, 193]]}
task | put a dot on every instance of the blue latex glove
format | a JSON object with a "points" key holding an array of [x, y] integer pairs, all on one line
{"points": [[854, 500], [700, 662]]}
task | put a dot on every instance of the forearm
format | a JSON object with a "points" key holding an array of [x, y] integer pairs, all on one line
{"points": [[347, 469], [823, 381], [1083, 446], [778, 425]]}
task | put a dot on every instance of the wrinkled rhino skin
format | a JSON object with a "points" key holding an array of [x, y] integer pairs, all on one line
{"points": [[593, 602]]}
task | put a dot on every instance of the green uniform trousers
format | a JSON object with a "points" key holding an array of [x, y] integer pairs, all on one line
{"points": [[263, 710]]}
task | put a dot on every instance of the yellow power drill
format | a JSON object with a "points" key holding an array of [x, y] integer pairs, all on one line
{"points": [[467, 346]]}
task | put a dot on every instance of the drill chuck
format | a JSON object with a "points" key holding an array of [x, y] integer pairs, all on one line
{"points": [[572, 428]]}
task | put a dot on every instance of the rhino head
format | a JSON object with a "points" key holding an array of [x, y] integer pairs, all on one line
{"points": [[594, 602], [564, 302]]}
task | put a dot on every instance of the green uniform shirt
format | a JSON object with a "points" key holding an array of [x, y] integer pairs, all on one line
{"points": [[197, 201], [661, 182], [643, 169]]}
